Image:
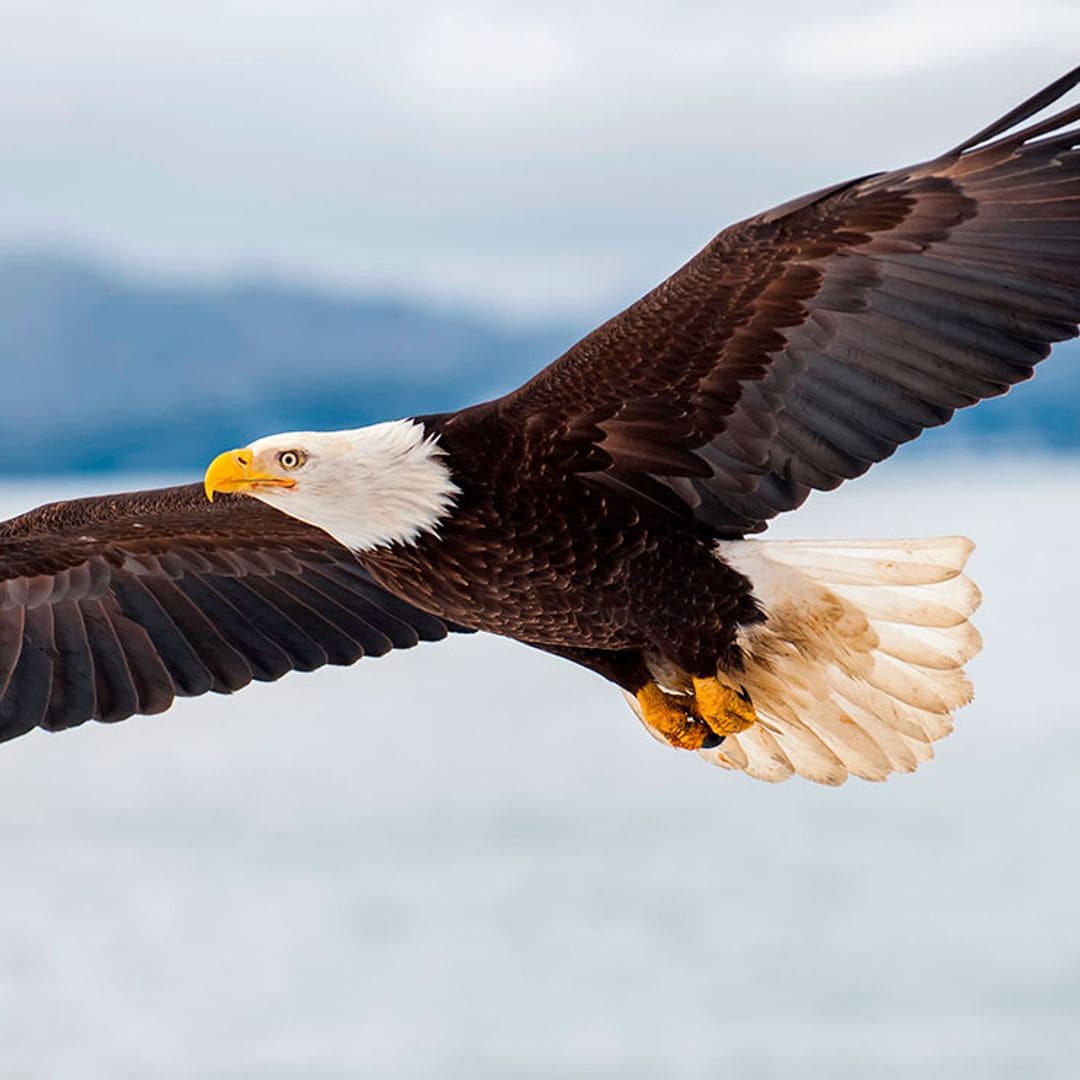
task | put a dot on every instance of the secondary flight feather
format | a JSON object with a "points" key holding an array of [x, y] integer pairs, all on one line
{"points": [[601, 511]]}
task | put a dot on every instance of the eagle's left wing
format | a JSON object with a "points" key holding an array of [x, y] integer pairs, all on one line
{"points": [[805, 344], [116, 605]]}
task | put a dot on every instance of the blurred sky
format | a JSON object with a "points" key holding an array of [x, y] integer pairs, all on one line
{"points": [[530, 157]]}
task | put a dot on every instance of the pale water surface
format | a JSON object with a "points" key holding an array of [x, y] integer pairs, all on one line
{"points": [[470, 861]]}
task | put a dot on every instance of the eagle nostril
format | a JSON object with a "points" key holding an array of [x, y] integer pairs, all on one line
{"points": [[243, 458]]}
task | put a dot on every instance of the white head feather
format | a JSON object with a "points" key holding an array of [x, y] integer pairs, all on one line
{"points": [[369, 487]]}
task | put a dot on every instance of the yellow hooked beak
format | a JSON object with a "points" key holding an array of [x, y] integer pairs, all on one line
{"points": [[232, 471]]}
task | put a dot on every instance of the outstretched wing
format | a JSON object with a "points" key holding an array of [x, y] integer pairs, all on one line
{"points": [[804, 345], [116, 605]]}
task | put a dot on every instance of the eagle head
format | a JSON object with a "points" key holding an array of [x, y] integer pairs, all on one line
{"points": [[367, 487]]}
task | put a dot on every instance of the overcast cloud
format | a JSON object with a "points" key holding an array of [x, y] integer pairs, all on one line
{"points": [[532, 157]]}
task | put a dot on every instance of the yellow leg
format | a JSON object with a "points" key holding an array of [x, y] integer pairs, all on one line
{"points": [[726, 711], [670, 716]]}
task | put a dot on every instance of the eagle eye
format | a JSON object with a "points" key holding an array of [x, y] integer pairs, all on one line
{"points": [[290, 459]]}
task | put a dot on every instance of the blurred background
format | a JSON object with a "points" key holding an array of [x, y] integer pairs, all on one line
{"points": [[219, 220]]}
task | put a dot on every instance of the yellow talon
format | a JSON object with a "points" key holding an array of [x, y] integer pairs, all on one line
{"points": [[726, 711], [670, 716]]}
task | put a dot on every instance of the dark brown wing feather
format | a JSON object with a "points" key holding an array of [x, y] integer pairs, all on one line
{"points": [[116, 605], [803, 345]]}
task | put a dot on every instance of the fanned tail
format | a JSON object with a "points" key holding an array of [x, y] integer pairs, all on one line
{"points": [[858, 666]]}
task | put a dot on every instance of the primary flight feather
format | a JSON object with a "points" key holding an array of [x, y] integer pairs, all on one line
{"points": [[600, 511]]}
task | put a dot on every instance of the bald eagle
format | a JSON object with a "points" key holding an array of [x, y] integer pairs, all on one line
{"points": [[601, 511]]}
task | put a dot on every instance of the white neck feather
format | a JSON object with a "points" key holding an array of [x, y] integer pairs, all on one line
{"points": [[370, 487]]}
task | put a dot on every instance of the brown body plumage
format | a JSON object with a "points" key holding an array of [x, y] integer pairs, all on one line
{"points": [[582, 512], [590, 574]]}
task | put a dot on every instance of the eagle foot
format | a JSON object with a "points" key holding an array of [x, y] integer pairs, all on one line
{"points": [[672, 717], [725, 710]]}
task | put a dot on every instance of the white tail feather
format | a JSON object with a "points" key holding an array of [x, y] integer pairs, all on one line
{"points": [[859, 664]]}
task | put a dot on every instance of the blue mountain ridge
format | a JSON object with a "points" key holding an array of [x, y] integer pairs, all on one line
{"points": [[108, 372]]}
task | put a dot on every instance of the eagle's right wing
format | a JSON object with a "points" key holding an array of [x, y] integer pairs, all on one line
{"points": [[809, 342]]}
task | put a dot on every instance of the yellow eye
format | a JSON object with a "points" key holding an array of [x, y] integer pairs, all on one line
{"points": [[290, 459]]}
